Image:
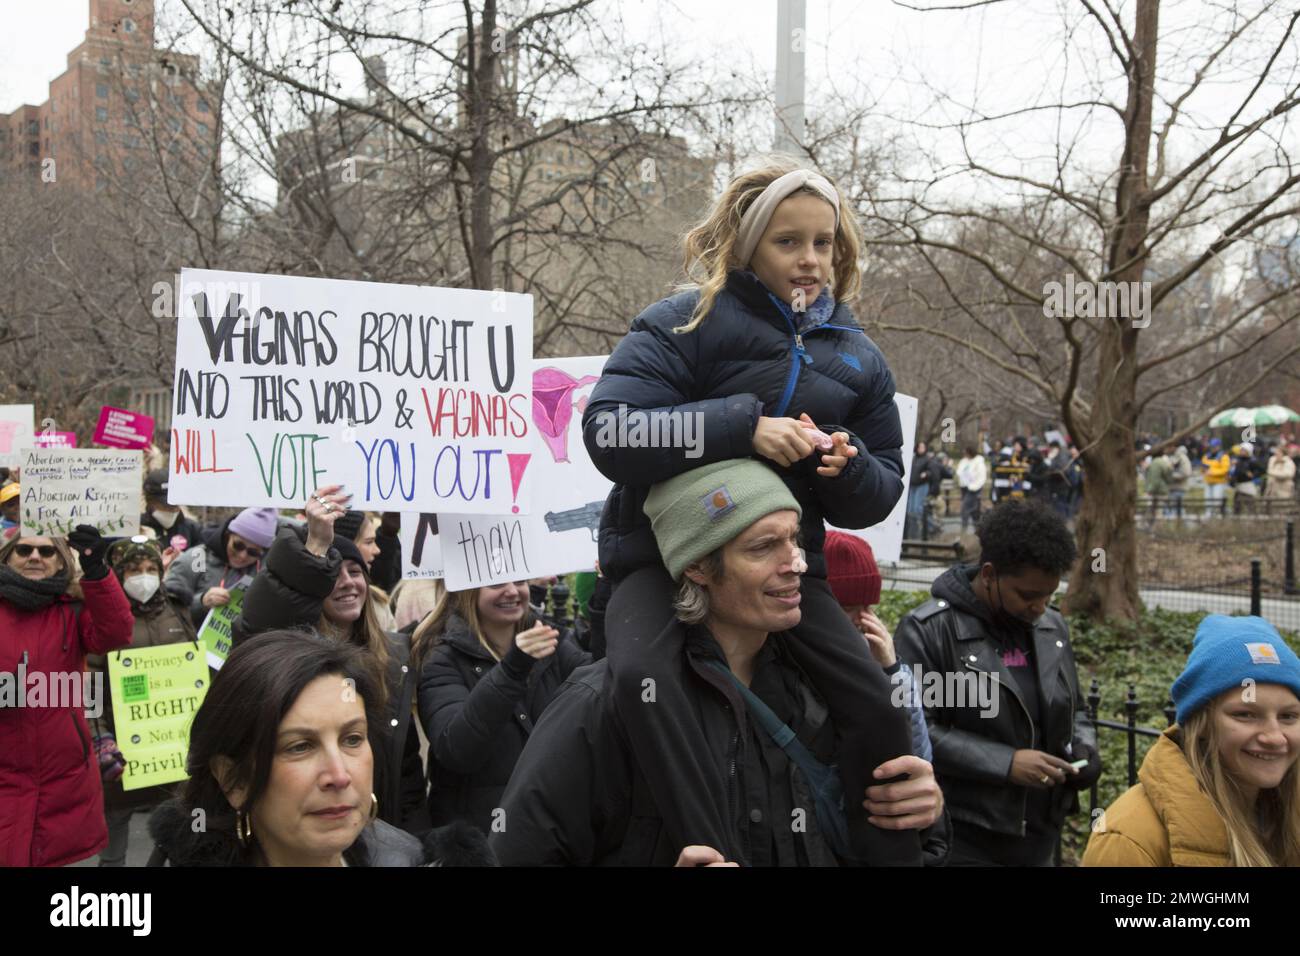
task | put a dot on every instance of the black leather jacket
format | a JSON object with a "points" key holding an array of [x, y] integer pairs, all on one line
{"points": [[951, 634]]}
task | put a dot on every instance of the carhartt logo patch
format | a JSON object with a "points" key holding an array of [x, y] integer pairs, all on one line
{"points": [[1262, 654], [718, 503]]}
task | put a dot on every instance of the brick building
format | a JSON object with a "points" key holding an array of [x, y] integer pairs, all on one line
{"points": [[122, 109]]}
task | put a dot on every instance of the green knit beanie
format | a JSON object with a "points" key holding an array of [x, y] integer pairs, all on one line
{"points": [[699, 511]]}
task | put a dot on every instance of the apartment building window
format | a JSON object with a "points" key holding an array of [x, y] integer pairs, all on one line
{"points": [[33, 149], [101, 114], [33, 128], [101, 136], [201, 129], [132, 141], [128, 25], [202, 105], [174, 123], [132, 95], [101, 90]]}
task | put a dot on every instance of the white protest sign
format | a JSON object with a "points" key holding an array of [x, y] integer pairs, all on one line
{"points": [[65, 487], [886, 538], [413, 398], [559, 535], [421, 550], [17, 433]]}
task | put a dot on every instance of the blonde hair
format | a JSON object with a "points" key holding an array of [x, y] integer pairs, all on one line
{"points": [[465, 603], [709, 248], [1264, 834]]}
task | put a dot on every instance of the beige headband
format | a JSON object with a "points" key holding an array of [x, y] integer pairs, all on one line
{"points": [[759, 214]]}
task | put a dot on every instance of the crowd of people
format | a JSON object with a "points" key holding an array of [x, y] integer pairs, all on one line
{"points": [[1232, 479], [733, 699]]}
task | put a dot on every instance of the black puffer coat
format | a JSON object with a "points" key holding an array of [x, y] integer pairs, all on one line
{"points": [[290, 592], [478, 715], [743, 362]]}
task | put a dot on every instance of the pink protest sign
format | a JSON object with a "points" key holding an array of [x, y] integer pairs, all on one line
{"points": [[122, 429], [55, 440]]}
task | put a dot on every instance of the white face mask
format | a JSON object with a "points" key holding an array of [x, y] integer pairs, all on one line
{"points": [[142, 587], [166, 518]]}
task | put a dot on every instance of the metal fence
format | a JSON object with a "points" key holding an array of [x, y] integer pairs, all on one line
{"points": [[1129, 727]]}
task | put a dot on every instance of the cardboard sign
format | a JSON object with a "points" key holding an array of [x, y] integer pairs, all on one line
{"points": [[17, 426], [215, 634], [156, 692], [421, 548], [65, 487], [119, 428], [413, 398], [886, 538], [51, 439], [559, 535]]}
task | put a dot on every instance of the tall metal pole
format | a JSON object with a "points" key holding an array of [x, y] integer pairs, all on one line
{"points": [[790, 43]]}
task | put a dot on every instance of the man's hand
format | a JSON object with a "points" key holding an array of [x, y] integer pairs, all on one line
{"points": [[215, 597], [701, 856], [911, 804], [782, 440], [1034, 768]]}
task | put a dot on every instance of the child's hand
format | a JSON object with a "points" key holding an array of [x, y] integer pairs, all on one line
{"points": [[782, 440], [878, 638], [842, 449]]}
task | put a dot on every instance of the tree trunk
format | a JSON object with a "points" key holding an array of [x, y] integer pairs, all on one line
{"points": [[1104, 583]]}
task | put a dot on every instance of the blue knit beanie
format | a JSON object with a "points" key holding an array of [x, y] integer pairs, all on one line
{"points": [[1228, 651]]}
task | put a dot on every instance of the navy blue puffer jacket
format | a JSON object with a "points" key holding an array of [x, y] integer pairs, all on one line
{"points": [[744, 361]]}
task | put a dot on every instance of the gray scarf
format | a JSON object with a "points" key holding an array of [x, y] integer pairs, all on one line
{"points": [[29, 595]]}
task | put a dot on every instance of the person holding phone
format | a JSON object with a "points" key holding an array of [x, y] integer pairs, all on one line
{"points": [[487, 671], [1011, 757]]}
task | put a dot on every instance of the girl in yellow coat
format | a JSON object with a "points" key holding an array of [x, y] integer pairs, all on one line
{"points": [[1220, 788]]}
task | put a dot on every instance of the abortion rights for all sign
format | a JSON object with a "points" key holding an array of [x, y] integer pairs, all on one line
{"points": [[413, 398], [65, 487]]}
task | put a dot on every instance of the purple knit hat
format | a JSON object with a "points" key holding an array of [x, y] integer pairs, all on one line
{"points": [[255, 525]]}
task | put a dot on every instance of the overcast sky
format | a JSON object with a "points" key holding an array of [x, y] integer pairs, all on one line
{"points": [[1005, 57]]}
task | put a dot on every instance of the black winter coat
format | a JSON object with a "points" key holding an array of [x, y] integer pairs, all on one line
{"points": [[578, 795], [290, 592], [952, 634], [478, 715], [744, 361]]}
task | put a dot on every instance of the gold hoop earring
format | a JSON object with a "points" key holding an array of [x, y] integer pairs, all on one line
{"points": [[243, 827], [374, 807]]}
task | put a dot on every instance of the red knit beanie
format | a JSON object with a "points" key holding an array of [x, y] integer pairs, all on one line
{"points": [[851, 569]]}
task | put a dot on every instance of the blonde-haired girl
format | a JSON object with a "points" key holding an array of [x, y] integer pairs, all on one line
{"points": [[761, 357], [1221, 787]]}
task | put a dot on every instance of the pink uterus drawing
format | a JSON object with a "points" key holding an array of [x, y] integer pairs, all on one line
{"points": [[553, 406]]}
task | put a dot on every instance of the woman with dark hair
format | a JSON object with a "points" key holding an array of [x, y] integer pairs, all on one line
{"points": [[51, 804], [487, 671], [281, 764], [319, 581]]}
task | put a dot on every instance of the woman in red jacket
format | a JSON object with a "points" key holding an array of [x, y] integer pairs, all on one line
{"points": [[51, 799]]}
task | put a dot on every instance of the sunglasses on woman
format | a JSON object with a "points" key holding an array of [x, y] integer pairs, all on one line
{"points": [[241, 548], [25, 550]]}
